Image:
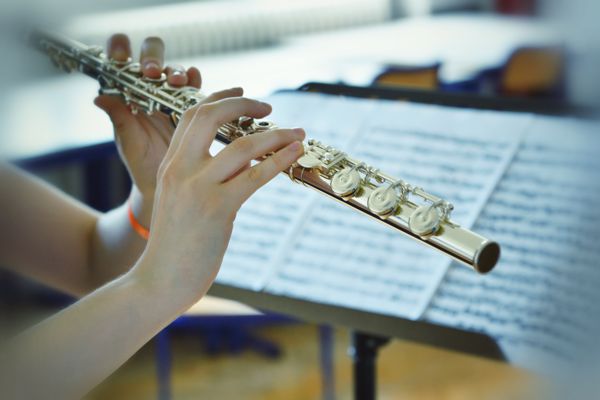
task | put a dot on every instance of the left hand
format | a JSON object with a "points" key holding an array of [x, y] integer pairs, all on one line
{"points": [[199, 195], [142, 140]]}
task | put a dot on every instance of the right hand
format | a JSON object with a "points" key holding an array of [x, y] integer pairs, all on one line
{"points": [[198, 195]]}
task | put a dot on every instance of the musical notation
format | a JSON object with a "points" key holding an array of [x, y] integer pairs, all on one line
{"points": [[266, 225], [337, 258], [541, 304], [531, 183]]}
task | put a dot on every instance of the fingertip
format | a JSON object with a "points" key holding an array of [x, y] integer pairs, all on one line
{"points": [[153, 42], [262, 110], [176, 76], [252, 108], [119, 47], [152, 69], [119, 36], [110, 104], [177, 80], [151, 57], [102, 102], [194, 77], [266, 106], [299, 133]]}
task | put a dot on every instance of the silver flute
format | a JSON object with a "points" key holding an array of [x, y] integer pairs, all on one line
{"points": [[404, 207]]}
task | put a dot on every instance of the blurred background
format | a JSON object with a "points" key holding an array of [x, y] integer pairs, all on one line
{"points": [[523, 49]]}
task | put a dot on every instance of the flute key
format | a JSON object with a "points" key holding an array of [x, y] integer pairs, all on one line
{"points": [[346, 183], [425, 220], [383, 201]]}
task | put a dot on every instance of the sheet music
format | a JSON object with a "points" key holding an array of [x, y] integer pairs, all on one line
{"points": [[261, 228], [267, 223], [541, 301], [343, 258]]}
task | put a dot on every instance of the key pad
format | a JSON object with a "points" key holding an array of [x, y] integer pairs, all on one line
{"points": [[425, 220], [346, 182], [383, 201]]}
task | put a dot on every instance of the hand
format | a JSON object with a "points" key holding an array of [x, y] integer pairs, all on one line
{"points": [[142, 140], [198, 195]]}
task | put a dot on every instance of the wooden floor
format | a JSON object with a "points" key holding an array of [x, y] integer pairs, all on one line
{"points": [[406, 371]]}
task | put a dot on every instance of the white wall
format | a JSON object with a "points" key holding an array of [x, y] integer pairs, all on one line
{"points": [[424, 7]]}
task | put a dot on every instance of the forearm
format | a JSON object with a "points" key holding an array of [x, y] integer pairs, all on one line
{"points": [[70, 353], [59, 241], [114, 245]]}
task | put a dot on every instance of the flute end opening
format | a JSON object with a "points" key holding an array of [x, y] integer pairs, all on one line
{"points": [[487, 258]]}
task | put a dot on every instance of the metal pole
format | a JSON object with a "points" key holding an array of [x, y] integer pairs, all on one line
{"points": [[326, 343], [364, 354]]}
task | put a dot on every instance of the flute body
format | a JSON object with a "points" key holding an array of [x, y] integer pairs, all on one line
{"points": [[404, 207]]}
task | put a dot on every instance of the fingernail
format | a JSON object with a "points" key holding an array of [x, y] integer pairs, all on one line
{"points": [[267, 105], [151, 65], [177, 72], [119, 53]]}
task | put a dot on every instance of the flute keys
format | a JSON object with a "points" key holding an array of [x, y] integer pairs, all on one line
{"points": [[134, 68], [245, 122], [425, 220], [308, 160], [383, 201], [346, 182], [265, 125]]}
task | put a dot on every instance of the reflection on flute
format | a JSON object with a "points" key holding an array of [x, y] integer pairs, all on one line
{"points": [[409, 209]]}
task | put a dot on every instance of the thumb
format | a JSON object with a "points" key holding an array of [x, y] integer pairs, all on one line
{"points": [[123, 122]]}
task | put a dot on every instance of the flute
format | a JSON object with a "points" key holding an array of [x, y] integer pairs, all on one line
{"points": [[409, 209]]}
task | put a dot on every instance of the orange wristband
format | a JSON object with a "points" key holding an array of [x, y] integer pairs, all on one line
{"points": [[137, 227]]}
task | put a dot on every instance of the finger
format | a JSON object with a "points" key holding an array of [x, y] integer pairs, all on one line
{"points": [[194, 77], [176, 76], [243, 150], [223, 94], [248, 182], [116, 109], [152, 57], [198, 127], [119, 47], [244, 168], [120, 117]]}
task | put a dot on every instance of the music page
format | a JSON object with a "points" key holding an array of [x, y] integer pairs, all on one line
{"points": [[340, 257], [268, 222], [540, 303]]}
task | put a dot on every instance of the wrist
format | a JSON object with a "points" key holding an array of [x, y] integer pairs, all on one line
{"points": [[152, 296], [152, 276], [141, 204]]}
